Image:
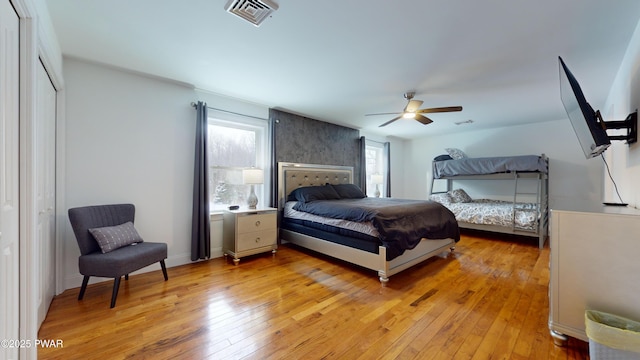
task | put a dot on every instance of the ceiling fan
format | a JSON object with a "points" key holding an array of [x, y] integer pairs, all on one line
{"points": [[413, 111]]}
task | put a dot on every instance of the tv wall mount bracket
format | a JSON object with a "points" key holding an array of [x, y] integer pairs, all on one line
{"points": [[630, 123]]}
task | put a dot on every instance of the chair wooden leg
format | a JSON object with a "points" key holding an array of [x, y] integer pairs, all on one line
{"points": [[126, 276], [83, 288], [114, 295], [164, 270]]}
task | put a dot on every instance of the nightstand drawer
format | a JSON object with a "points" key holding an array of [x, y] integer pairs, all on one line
{"points": [[256, 222], [256, 239]]}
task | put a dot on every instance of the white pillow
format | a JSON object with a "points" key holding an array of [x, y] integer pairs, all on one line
{"points": [[442, 198], [456, 154]]}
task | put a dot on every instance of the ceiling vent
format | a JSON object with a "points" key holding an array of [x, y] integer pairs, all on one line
{"points": [[253, 11]]}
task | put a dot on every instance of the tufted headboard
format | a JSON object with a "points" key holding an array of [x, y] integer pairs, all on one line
{"points": [[293, 175]]}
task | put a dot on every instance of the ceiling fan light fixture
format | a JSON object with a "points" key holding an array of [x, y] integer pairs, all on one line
{"points": [[413, 111]]}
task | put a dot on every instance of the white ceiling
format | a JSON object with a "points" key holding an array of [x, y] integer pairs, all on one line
{"points": [[338, 60]]}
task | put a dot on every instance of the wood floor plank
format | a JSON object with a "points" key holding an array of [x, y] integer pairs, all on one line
{"points": [[486, 300]]}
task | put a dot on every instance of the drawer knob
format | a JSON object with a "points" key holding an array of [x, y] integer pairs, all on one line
{"points": [[257, 239], [257, 223]]}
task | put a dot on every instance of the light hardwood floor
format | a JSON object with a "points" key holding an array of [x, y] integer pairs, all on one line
{"points": [[487, 300]]}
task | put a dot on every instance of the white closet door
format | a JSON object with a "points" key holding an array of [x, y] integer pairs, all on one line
{"points": [[45, 192], [9, 176]]}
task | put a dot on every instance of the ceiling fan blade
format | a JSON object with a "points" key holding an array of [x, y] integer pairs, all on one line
{"points": [[423, 119], [390, 121], [413, 105], [393, 113], [440, 109]]}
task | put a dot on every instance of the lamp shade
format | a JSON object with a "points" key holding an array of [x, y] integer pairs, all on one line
{"points": [[376, 179], [252, 176]]}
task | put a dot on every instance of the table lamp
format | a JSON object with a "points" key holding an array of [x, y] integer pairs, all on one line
{"points": [[252, 177], [376, 179]]}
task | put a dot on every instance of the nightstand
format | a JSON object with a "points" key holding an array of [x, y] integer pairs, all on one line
{"points": [[249, 231]]}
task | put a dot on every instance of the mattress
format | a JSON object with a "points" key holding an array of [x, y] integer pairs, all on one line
{"points": [[335, 235], [396, 224], [365, 227], [359, 235], [489, 165], [496, 212], [401, 223]]}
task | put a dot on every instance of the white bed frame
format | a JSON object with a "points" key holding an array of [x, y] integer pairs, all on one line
{"points": [[292, 176]]}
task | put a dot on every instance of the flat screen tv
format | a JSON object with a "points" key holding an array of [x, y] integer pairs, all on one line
{"points": [[586, 122]]}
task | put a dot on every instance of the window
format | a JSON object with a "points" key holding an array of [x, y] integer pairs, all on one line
{"points": [[235, 143], [376, 168]]}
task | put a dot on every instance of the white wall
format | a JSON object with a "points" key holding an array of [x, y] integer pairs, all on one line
{"points": [[571, 176], [130, 138], [574, 181], [623, 99]]}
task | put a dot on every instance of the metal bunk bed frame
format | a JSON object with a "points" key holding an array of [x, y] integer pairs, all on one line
{"points": [[542, 200]]}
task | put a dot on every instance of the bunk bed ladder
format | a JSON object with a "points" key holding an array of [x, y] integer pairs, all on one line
{"points": [[517, 200]]}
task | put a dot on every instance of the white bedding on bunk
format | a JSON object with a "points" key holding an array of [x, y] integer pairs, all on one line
{"points": [[362, 227], [496, 212]]}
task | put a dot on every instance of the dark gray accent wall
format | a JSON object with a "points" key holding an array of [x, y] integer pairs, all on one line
{"points": [[304, 140]]}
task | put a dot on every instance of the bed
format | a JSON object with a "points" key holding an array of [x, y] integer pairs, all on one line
{"points": [[467, 166], [372, 241], [527, 218]]}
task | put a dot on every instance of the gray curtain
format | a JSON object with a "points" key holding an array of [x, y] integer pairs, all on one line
{"points": [[200, 229], [273, 192], [387, 155], [363, 164]]}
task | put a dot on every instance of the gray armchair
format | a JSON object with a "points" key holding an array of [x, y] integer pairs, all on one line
{"points": [[115, 262]]}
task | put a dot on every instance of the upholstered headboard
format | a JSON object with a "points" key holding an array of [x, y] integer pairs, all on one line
{"points": [[292, 176]]}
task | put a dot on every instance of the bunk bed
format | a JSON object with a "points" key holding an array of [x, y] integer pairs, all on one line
{"points": [[527, 218], [343, 238]]}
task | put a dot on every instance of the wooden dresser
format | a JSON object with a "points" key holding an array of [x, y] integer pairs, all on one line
{"points": [[249, 231]]}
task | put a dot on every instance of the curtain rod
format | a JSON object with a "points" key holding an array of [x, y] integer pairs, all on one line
{"points": [[193, 105]]}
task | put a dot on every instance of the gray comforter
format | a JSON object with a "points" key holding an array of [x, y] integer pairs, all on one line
{"points": [[401, 223], [488, 165]]}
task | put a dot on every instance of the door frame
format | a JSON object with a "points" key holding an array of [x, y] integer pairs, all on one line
{"points": [[37, 43]]}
